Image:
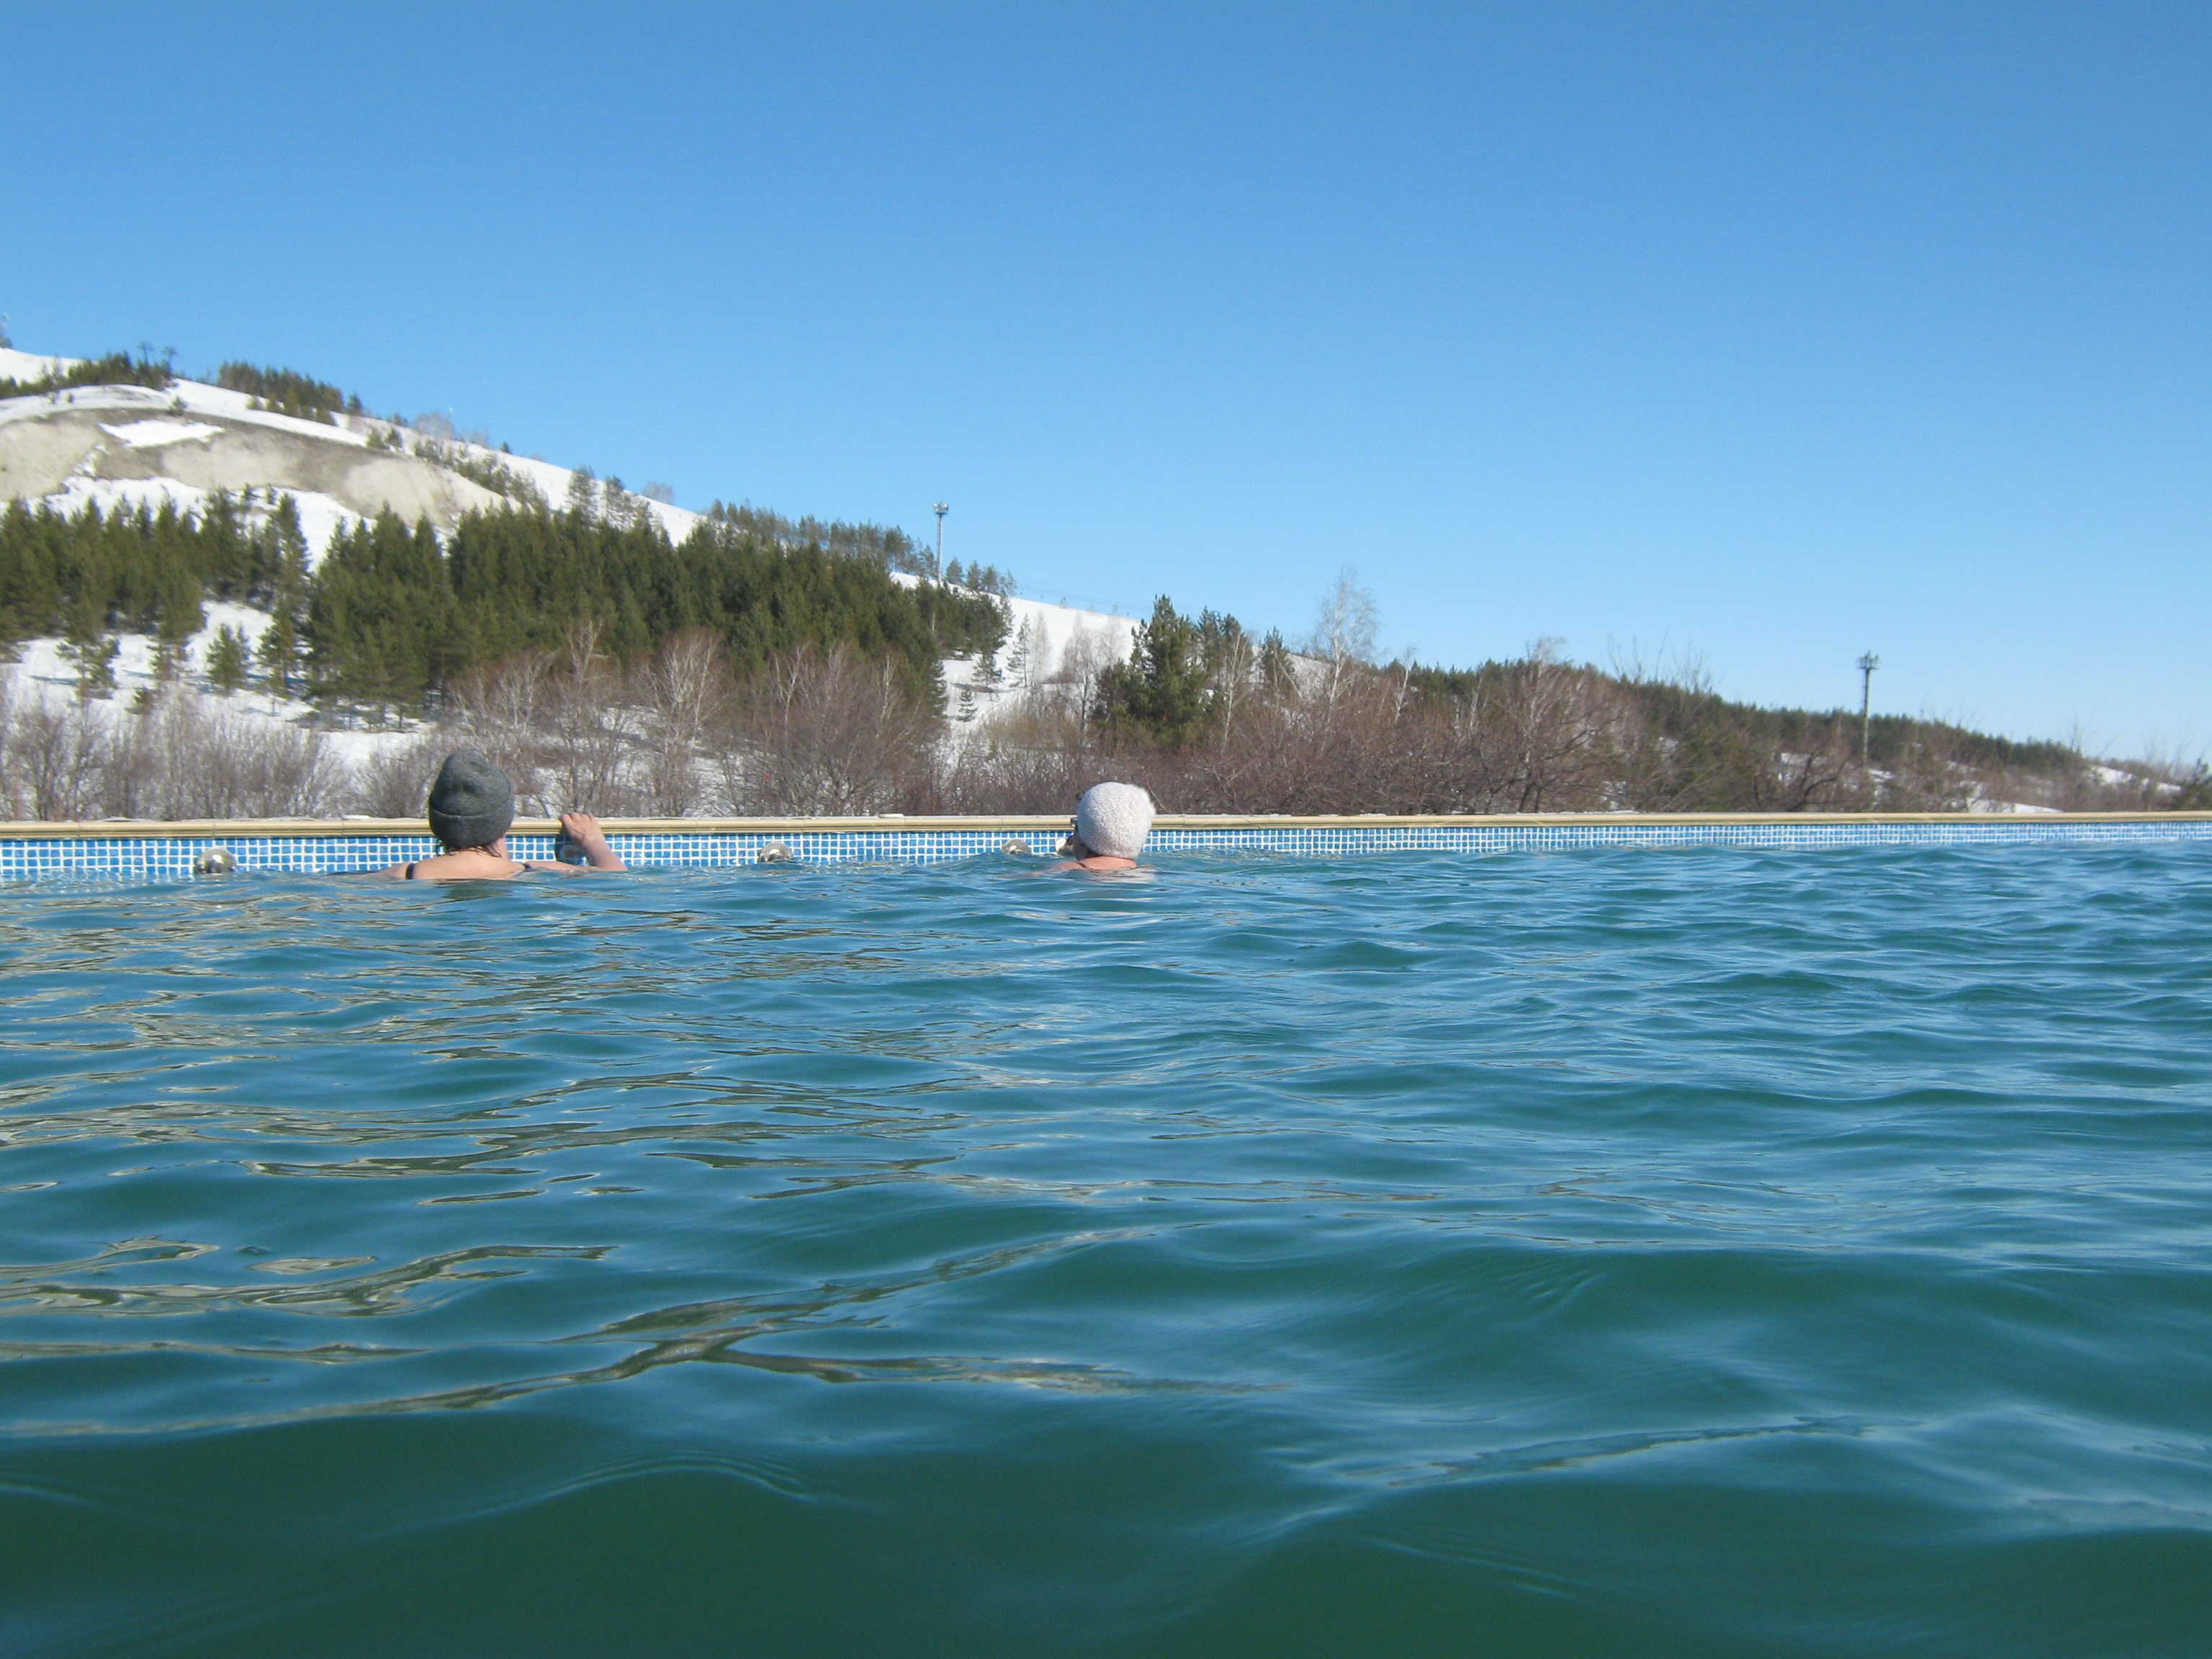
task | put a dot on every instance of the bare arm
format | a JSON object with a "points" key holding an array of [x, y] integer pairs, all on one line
{"points": [[584, 829]]}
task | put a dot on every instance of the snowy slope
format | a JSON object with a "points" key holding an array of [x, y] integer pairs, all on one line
{"points": [[122, 446], [23, 366]]}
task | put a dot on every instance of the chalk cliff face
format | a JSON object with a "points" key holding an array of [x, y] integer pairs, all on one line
{"points": [[120, 432]]}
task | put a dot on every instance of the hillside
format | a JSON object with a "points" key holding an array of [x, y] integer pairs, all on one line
{"points": [[206, 454], [257, 597]]}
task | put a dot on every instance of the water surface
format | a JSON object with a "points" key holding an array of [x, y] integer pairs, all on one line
{"points": [[1702, 1252]]}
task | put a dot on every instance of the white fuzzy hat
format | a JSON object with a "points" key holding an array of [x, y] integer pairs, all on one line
{"points": [[1113, 819]]}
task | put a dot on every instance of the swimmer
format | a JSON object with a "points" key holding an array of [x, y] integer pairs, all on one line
{"points": [[1111, 822], [472, 805]]}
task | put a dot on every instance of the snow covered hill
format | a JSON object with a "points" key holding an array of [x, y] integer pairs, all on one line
{"points": [[123, 444]]}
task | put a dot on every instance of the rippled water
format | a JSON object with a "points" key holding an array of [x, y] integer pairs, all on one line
{"points": [[1705, 1252]]}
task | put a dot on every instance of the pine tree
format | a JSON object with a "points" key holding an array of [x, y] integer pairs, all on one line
{"points": [[1161, 689], [381, 624], [279, 652], [226, 660], [91, 649], [1017, 657], [30, 585], [180, 615]]}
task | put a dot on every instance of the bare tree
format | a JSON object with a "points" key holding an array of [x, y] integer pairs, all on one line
{"points": [[395, 783], [827, 732], [500, 711], [586, 748], [1346, 630], [685, 688], [56, 757]]}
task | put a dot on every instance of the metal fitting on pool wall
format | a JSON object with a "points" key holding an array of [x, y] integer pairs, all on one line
{"points": [[215, 861], [1019, 849], [776, 852]]}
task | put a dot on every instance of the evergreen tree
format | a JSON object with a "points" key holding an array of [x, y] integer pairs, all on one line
{"points": [[89, 647], [279, 567], [1162, 690], [226, 660], [392, 615], [180, 615], [279, 654], [380, 626], [285, 390], [30, 579]]}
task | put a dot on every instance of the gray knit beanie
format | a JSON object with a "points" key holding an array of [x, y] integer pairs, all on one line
{"points": [[471, 804], [1114, 819]]}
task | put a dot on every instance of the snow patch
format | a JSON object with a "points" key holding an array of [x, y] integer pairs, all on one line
{"points": [[152, 435]]}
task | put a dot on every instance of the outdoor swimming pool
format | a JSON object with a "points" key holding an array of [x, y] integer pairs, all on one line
{"points": [[1699, 1251]]}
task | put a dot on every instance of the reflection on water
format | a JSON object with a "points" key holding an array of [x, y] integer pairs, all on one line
{"points": [[1702, 1252]]}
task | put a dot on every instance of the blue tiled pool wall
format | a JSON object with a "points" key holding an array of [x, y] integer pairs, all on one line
{"points": [[143, 857]]}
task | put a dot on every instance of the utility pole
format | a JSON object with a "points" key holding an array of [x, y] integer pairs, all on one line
{"points": [[1868, 664], [940, 509]]}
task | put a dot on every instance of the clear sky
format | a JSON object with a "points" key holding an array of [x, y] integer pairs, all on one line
{"points": [[1769, 333]]}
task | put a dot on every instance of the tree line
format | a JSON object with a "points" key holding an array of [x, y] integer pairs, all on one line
{"points": [[394, 614], [1212, 719], [1206, 718], [116, 368], [288, 391]]}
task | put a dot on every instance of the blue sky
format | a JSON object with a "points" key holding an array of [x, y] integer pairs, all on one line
{"points": [[1764, 333]]}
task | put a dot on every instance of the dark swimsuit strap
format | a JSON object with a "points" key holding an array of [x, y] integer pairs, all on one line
{"points": [[517, 876]]}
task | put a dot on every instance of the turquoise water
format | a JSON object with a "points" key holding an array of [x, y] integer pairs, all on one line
{"points": [[1705, 1253]]}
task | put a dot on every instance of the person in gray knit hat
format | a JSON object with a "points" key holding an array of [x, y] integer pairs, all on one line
{"points": [[1111, 822], [471, 807]]}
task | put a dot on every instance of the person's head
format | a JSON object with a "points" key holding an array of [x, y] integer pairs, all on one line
{"points": [[471, 803], [1113, 819]]}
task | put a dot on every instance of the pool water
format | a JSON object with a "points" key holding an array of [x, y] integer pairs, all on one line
{"points": [[1707, 1252]]}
